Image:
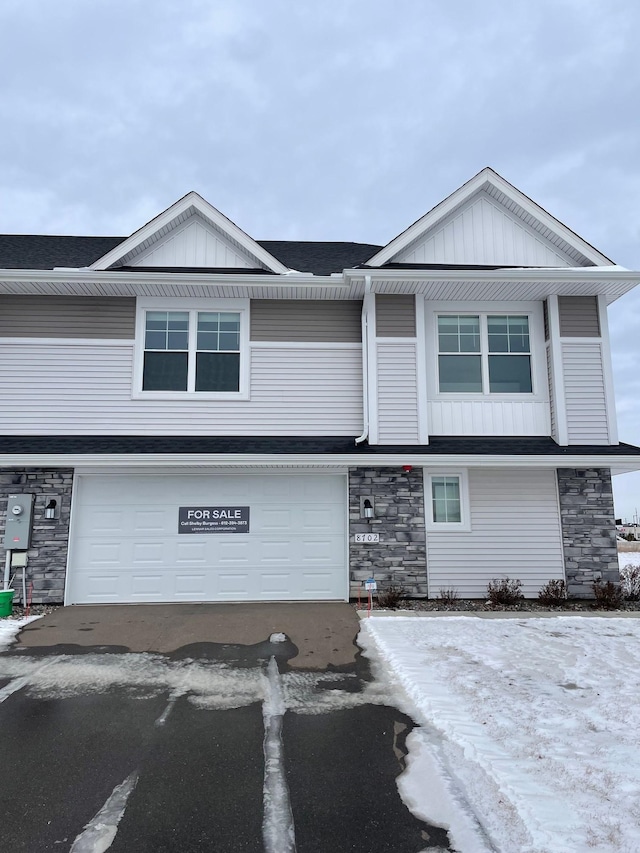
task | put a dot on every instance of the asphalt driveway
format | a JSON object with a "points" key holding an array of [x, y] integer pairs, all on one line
{"points": [[200, 728]]}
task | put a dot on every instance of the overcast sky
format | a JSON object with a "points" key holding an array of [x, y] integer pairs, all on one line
{"points": [[332, 120]]}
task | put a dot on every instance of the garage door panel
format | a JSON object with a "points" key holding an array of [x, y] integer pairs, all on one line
{"points": [[295, 547]]}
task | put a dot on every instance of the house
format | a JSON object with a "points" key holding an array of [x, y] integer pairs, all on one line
{"points": [[201, 416]]}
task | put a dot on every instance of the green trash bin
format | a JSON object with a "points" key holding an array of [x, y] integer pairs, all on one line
{"points": [[6, 602]]}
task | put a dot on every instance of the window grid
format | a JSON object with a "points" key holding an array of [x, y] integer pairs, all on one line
{"points": [[445, 499], [502, 363]]}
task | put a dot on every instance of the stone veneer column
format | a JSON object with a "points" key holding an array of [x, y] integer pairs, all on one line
{"points": [[588, 528], [47, 556], [400, 556]]}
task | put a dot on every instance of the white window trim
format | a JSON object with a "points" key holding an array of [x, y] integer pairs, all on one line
{"points": [[464, 525], [144, 304], [537, 354]]}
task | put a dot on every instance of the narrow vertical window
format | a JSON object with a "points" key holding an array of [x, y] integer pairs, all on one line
{"points": [[509, 355], [445, 500], [218, 351]]}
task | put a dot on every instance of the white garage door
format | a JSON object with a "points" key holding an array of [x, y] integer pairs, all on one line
{"points": [[126, 546]]}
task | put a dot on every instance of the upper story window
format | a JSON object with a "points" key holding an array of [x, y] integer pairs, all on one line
{"points": [[187, 350], [484, 353]]}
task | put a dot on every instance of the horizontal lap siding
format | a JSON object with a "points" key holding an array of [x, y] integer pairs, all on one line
{"points": [[67, 317], [515, 532], [584, 389], [81, 389], [579, 317], [306, 320], [397, 394], [395, 316]]}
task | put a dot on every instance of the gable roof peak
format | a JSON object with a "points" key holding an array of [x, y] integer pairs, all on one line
{"points": [[192, 204], [533, 219]]}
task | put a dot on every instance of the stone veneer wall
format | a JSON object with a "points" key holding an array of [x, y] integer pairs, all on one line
{"points": [[400, 556], [47, 556], [588, 528]]}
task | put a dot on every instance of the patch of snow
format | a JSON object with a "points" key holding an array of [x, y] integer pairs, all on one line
{"points": [[626, 558], [278, 831], [10, 628], [99, 833], [278, 638], [529, 728]]}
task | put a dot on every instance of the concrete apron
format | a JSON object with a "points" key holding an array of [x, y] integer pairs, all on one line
{"points": [[324, 633]]}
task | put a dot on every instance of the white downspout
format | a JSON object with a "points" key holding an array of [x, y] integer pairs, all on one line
{"points": [[365, 359]]}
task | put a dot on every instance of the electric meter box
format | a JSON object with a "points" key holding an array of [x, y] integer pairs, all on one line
{"points": [[17, 531]]}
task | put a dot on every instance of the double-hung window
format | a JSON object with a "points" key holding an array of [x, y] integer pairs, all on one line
{"points": [[185, 350], [484, 354]]}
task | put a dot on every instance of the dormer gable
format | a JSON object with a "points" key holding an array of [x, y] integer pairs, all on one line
{"points": [[489, 222], [190, 234]]}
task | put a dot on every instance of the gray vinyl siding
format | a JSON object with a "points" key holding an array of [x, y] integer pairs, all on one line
{"points": [[579, 317], [67, 317], [584, 391], [67, 388], [515, 532], [397, 393], [395, 316], [335, 321]]}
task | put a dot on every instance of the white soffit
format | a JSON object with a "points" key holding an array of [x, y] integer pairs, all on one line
{"points": [[489, 221], [190, 233]]}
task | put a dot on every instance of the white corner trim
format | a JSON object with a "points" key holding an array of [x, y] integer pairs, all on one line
{"points": [[369, 305], [421, 370], [609, 388], [555, 346]]}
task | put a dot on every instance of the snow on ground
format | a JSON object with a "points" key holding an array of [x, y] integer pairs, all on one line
{"points": [[528, 737], [10, 628], [626, 558]]}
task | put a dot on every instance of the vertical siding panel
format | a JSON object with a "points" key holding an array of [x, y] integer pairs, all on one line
{"points": [[515, 532]]}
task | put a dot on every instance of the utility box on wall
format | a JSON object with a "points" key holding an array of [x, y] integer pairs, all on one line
{"points": [[17, 531]]}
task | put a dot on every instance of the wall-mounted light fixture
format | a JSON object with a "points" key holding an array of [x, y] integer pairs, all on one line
{"points": [[367, 508], [52, 508]]}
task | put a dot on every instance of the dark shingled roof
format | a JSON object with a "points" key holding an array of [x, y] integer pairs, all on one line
{"points": [[439, 445], [37, 252]]}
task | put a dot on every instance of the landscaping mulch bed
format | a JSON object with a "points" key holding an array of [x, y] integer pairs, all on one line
{"points": [[480, 605]]}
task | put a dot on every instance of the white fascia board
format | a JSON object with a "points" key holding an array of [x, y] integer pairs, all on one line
{"points": [[208, 212], [621, 463], [541, 274], [484, 178]]}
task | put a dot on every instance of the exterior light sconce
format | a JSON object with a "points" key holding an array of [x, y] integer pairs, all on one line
{"points": [[367, 509], [52, 509], [407, 469]]}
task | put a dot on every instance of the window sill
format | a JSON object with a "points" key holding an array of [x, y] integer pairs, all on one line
{"points": [[202, 396]]}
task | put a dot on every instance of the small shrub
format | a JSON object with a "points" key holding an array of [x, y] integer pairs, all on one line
{"points": [[391, 598], [630, 582], [504, 591], [608, 595], [448, 595], [553, 593]]}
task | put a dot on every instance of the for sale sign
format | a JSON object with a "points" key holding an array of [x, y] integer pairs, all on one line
{"points": [[213, 519]]}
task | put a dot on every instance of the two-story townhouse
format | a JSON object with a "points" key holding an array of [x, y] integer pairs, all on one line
{"points": [[201, 416]]}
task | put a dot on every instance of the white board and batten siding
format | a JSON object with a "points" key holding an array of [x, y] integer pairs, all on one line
{"points": [[515, 532], [488, 417], [79, 388], [585, 393], [483, 231], [194, 244], [125, 545]]}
